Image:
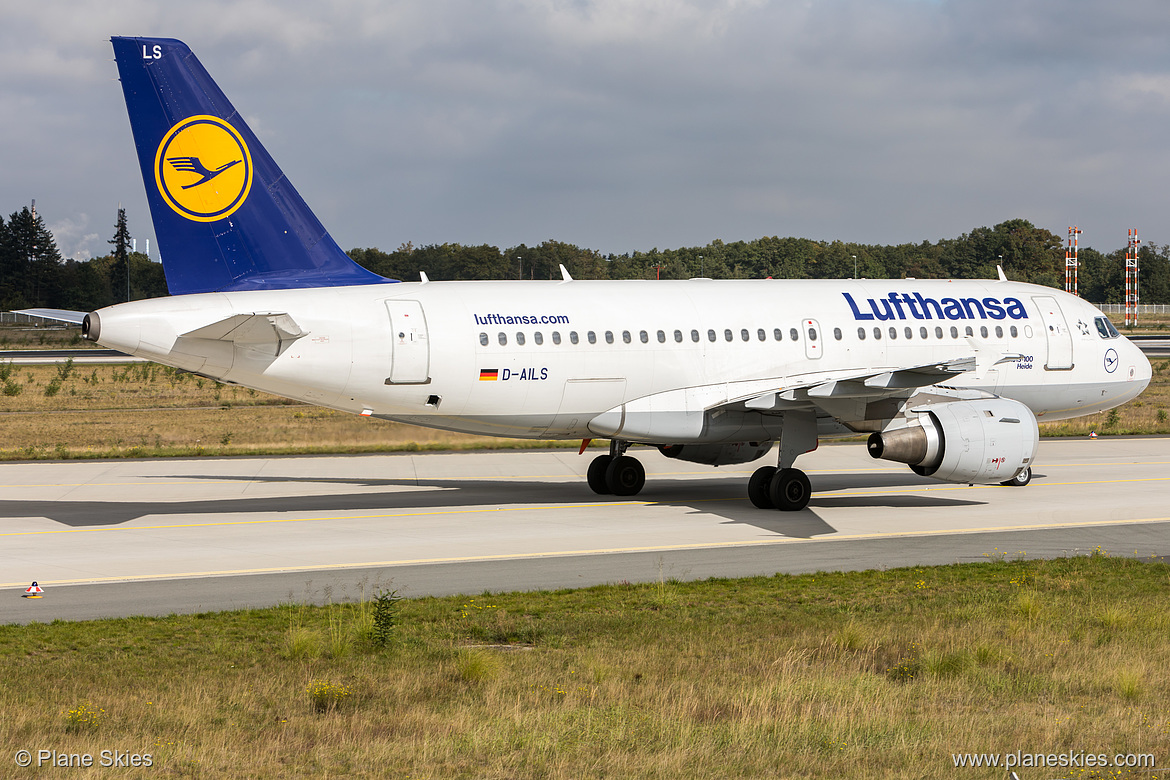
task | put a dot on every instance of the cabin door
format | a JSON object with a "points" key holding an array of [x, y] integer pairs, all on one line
{"points": [[1060, 343], [410, 351]]}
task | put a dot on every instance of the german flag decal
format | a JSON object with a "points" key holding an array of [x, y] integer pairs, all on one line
{"points": [[489, 374]]}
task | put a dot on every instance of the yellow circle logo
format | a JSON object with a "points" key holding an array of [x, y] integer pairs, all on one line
{"points": [[203, 168]]}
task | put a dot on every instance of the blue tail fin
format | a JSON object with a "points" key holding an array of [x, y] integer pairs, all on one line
{"points": [[225, 216]]}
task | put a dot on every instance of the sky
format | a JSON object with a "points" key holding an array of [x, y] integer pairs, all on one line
{"points": [[622, 126]]}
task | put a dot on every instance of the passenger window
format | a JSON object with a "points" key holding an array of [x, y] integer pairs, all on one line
{"points": [[1015, 333], [877, 333], [503, 338], [710, 335], [520, 338], [861, 334], [626, 336], [893, 333], [592, 337], [743, 334], [909, 332], [538, 337], [938, 334], [678, 336], [983, 331], [727, 334], [837, 333], [762, 335], [999, 331], [483, 339], [573, 336], [695, 336], [609, 337], [794, 334], [644, 337], [954, 332], [970, 332], [556, 336], [777, 334], [661, 337], [812, 334], [923, 333]]}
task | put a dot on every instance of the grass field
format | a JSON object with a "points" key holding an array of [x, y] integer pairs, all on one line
{"points": [[880, 674], [145, 410]]}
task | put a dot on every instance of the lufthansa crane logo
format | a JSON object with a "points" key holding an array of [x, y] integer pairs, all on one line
{"points": [[1111, 360], [203, 168]]}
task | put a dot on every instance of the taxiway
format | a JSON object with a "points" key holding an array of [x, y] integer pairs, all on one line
{"points": [[112, 538]]}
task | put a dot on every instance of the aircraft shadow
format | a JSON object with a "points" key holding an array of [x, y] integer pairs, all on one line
{"points": [[720, 497]]}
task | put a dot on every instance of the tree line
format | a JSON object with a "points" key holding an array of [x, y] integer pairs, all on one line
{"points": [[33, 273]]}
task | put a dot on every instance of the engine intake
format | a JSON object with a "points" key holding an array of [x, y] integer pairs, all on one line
{"points": [[979, 442]]}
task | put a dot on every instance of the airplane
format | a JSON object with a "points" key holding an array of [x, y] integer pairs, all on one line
{"points": [[946, 376]]}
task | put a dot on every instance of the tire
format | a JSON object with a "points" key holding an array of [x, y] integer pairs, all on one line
{"points": [[1021, 479], [596, 475], [790, 490], [759, 487], [625, 476]]}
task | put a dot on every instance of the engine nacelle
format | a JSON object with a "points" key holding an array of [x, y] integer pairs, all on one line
{"points": [[717, 454], [980, 442]]}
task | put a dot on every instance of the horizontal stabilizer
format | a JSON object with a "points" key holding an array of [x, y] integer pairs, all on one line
{"points": [[60, 315], [275, 328]]}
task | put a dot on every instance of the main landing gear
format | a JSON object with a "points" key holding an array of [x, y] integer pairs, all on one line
{"points": [[774, 488], [616, 474], [782, 486], [771, 487]]}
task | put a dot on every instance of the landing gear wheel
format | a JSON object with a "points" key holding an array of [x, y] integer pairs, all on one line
{"points": [[1021, 479], [625, 476], [596, 475], [759, 487], [790, 490]]}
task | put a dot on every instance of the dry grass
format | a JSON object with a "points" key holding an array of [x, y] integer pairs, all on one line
{"points": [[140, 410], [787, 676]]}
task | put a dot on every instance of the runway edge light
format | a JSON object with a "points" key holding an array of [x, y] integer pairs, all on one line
{"points": [[33, 591]]}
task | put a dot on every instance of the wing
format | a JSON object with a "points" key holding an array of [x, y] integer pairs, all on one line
{"points": [[844, 401]]}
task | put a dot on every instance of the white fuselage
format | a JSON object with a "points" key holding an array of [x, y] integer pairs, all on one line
{"points": [[544, 359]]}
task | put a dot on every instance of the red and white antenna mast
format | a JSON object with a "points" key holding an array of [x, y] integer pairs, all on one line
{"points": [[1131, 279], [1071, 261]]}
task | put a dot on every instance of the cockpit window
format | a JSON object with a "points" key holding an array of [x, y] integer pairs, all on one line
{"points": [[1105, 328]]}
